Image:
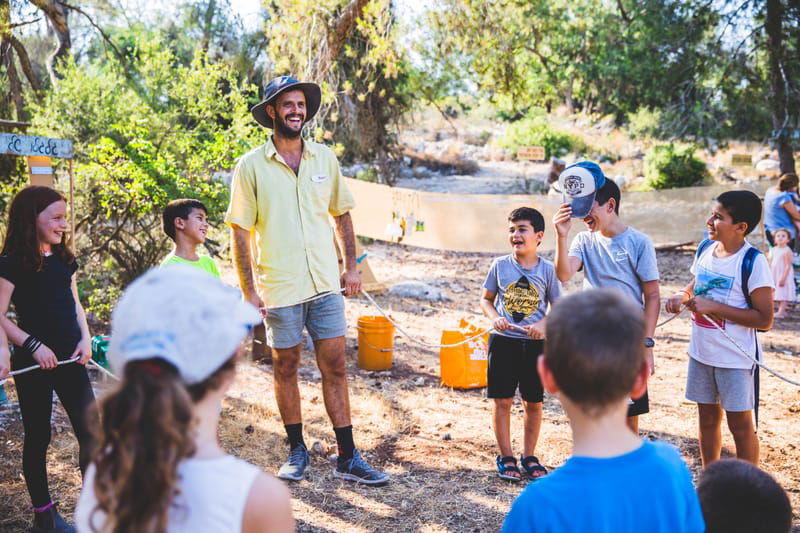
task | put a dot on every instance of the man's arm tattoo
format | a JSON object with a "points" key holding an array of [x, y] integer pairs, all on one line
{"points": [[347, 239], [242, 259]]}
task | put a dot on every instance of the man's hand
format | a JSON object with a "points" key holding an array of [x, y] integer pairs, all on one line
{"points": [[83, 350], [562, 220], [535, 330], [45, 357], [255, 300], [500, 324], [351, 282]]}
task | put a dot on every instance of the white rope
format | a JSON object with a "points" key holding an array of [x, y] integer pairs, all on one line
{"points": [[673, 317], [750, 357], [307, 300], [64, 362], [424, 343]]}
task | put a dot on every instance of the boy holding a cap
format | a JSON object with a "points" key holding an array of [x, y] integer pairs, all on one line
{"points": [[611, 254]]}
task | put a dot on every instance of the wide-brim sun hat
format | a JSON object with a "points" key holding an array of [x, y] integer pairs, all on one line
{"points": [[579, 184], [183, 315], [280, 85]]}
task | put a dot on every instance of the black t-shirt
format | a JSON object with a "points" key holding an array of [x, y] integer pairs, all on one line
{"points": [[44, 303]]}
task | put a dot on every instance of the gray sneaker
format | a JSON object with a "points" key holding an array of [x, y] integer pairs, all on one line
{"points": [[295, 467], [358, 470]]}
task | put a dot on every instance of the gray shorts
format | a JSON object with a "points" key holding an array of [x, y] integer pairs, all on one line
{"points": [[733, 388], [323, 318]]}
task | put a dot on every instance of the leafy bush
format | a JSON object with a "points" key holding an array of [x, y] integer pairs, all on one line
{"points": [[644, 123], [668, 166], [535, 130]]}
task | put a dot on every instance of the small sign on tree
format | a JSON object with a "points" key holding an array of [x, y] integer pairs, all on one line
{"points": [[741, 160], [531, 153]]}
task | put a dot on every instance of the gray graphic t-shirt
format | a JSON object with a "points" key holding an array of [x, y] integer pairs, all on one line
{"points": [[522, 294], [623, 262]]}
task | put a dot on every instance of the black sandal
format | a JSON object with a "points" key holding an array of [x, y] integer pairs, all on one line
{"points": [[504, 469], [531, 465]]}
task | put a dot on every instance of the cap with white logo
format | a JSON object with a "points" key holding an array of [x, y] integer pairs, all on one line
{"points": [[579, 184], [183, 315]]}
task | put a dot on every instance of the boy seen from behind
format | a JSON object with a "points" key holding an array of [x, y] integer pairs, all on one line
{"points": [[737, 497], [185, 222], [611, 254], [721, 378], [614, 482], [516, 294]]}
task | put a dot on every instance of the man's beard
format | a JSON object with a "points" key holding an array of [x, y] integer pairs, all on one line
{"points": [[283, 129]]}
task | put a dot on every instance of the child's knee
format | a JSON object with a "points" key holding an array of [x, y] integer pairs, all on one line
{"points": [[503, 404], [532, 407], [741, 424]]}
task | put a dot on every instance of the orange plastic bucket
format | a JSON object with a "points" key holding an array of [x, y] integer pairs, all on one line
{"points": [[375, 343], [465, 366]]}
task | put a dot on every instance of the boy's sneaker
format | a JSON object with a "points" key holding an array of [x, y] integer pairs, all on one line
{"points": [[295, 467], [358, 470]]}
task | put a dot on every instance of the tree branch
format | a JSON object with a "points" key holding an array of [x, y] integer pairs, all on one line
{"points": [[104, 35], [25, 62]]}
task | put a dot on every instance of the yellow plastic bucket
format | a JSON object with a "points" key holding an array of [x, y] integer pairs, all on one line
{"points": [[375, 343], [465, 366]]}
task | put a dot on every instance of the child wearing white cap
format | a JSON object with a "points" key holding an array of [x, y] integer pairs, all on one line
{"points": [[612, 254], [177, 333]]}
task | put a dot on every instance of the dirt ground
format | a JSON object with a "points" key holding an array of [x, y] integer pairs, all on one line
{"points": [[436, 442]]}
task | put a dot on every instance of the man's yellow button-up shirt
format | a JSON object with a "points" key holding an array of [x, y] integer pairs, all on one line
{"points": [[294, 243]]}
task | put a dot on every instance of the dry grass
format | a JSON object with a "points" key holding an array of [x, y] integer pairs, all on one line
{"points": [[438, 484]]}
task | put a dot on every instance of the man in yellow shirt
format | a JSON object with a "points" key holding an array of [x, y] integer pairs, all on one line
{"points": [[282, 196]]}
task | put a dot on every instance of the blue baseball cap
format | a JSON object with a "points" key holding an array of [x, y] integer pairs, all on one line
{"points": [[280, 85], [579, 184]]}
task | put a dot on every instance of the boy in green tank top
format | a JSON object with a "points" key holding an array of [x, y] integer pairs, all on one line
{"points": [[185, 222]]}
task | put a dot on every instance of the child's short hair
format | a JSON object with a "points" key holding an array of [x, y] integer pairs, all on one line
{"points": [[738, 497], [606, 192], [787, 182], [182, 208], [594, 347], [742, 206], [530, 214]]}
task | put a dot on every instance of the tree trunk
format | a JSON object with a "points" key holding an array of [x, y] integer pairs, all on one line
{"points": [[57, 14], [14, 83], [209, 18], [345, 25], [778, 89]]}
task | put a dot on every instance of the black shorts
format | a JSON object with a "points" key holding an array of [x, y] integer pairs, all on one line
{"points": [[512, 363], [639, 406]]}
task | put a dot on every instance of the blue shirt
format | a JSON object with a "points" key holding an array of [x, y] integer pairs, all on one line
{"points": [[775, 216], [649, 489], [522, 294]]}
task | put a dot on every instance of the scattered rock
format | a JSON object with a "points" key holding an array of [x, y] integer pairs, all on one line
{"points": [[318, 448], [417, 290], [419, 381], [249, 429]]}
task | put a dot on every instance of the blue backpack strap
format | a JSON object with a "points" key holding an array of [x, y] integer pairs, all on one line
{"points": [[747, 268], [705, 243]]}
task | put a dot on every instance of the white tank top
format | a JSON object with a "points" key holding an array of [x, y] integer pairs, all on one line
{"points": [[213, 495]]}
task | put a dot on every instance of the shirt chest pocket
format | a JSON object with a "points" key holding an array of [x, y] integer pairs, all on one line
{"points": [[318, 191]]}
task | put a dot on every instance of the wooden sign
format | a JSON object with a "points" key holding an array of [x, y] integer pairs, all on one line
{"points": [[531, 153], [11, 143], [41, 170], [741, 160]]}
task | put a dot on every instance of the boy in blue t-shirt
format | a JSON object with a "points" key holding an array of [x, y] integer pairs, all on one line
{"points": [[594, 360], [516, 293]]}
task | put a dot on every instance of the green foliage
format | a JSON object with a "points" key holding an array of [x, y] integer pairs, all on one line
{"points": [[142, 140], [535, 130], [645, 123], [668, 166], [367, 83]]}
